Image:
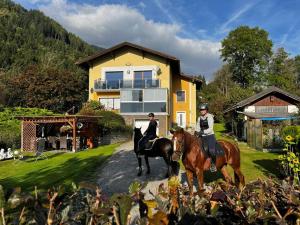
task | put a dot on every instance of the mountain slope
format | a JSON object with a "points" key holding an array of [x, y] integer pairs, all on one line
{"points": [[29, 37], [33, 45]]}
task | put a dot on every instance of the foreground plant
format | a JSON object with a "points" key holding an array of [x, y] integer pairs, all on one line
{"points": [[259, 202], [290, 160]]}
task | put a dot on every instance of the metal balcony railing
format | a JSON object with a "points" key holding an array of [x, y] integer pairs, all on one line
{"points": [[102, 85]]}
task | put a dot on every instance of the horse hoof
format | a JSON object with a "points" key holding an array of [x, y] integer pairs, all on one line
{"points": [[148, 172], [139, 173], [167, 175]]}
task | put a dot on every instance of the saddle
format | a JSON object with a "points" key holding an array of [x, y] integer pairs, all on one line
{"points": [[219, 149], [150, 144]]}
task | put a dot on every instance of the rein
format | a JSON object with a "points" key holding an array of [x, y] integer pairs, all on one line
{"points": [[179, 152]]}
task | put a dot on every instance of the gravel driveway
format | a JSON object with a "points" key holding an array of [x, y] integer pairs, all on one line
{"points": [[116, 175]]}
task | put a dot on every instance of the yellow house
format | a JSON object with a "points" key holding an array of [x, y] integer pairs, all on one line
{"points": [[134, 80]]}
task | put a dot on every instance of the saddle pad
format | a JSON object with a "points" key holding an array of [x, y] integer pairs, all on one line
{"points": [[219, 149], [150, 143]]}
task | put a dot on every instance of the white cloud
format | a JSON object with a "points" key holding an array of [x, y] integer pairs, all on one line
{"points": [[109, 24]]}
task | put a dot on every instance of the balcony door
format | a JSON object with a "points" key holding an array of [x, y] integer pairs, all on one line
{"points": [[140, 78], [114, 79]]}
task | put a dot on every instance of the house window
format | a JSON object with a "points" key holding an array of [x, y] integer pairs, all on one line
{"points": [[114, 79], [180, 96], [141, 78], [271, 109], [110, 103], [143, 75]]}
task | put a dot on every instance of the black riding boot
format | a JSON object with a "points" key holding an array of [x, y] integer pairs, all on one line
{"points": [[213, 167]]}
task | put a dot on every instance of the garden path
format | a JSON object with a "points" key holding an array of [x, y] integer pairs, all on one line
{"points": [[120, 170]]}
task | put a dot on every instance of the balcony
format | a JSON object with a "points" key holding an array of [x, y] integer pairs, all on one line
{"points": [[143, 100], [115, 85]]}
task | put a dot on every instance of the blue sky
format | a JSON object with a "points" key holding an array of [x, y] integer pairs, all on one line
{"points": [[191, 30]]}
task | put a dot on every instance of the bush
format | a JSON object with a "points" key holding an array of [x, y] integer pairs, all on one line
{"points": [[293, 131], [91, 108], [110, 121], [259, 202]]}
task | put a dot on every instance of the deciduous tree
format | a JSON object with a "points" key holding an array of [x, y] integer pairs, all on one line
{"points": [[50, 88], [247, 51]]}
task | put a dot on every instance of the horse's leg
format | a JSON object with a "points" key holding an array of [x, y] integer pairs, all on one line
{"points": [[190, 179], [238, 177], [200, 176], [140, 165], [226, 175], [147, 163]]}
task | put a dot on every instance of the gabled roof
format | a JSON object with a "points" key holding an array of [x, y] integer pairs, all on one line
{"points": [[192, 78], [260, 95], [175, 62], [84, 61]]}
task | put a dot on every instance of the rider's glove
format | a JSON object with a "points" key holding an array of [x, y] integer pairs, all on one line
{"points": [[201, 133]]}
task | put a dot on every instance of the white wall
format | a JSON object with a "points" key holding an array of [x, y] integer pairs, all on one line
{"points": [[250, 108], [293, 109]]}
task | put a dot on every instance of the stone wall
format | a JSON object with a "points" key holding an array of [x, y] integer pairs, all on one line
{"points": [[115, 138]]}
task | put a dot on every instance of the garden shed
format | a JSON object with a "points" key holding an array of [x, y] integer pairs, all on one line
{"points": [[260, 118], [69, 132]]}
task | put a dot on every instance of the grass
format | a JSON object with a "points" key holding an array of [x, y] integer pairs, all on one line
{"points": [[58, 169], [254, 164]]}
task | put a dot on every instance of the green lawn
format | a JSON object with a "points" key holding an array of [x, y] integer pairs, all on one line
{"points": [[255, 164], [59, 168]]}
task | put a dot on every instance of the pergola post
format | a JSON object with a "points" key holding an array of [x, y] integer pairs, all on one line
{"points": [[74, 136], [22, 135]]}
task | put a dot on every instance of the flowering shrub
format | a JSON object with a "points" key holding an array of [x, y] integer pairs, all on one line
{"points": [[259, 202], [289, 161]]}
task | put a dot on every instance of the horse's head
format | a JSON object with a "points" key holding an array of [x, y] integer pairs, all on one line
{"points": [[178, 140], [137, 131]]}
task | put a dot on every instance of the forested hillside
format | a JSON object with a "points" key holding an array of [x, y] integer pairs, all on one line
{"points": [[34, 45]]}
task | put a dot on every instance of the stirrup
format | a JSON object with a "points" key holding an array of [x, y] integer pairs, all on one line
{"points": [[153, 139], [213, 167]]}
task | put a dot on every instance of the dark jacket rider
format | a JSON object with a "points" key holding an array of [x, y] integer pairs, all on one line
{"points": [[205, 129], [149, 134]]}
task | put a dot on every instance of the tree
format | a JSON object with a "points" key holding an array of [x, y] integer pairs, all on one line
{"points": [[28, 37], [297, 69], [282, 71], [247, 51], [53, 89], [216, 93], [223, 80], [222, 92]]}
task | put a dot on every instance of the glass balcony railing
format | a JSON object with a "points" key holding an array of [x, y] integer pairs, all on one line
{"points": [[102, 85]]}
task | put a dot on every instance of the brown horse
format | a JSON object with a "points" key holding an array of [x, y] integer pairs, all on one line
{"points": [[196, 161]]}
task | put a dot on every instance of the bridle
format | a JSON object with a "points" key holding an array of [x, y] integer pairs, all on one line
{"points": [[179, 151]]}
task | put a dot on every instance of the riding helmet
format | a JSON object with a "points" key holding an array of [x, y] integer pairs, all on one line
{"points": [[203, 106], [151, 115]]}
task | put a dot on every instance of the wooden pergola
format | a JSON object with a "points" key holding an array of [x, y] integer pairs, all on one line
{"points": [[29, 127]]}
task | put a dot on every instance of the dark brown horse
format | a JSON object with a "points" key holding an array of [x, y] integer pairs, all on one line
{"points": [[162, 147], [196, 161]]}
